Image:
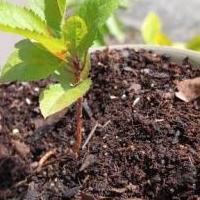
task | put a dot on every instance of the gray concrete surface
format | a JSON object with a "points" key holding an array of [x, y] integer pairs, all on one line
{"points": [[7, 41], [180, 17], [181, 20]]}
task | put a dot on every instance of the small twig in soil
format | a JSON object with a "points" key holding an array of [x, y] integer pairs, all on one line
{"points": [[93, 131], [21, 183], [90, 135], [45, 158], [136, 101], [106, 124]]}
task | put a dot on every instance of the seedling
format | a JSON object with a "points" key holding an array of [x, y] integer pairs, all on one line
{"points": [[56, 46], [113, 27], [152, 33]]}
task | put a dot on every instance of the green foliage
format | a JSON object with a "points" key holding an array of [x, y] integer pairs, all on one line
{"points": [[25, 22], [152, 34], [23, 18], [64, 74], [58, 47], [113, 27], [74, 30], [87, 67], [194, 43], [29, 62], [152, 31], [57, 97], [99, 11], [51, 11]]}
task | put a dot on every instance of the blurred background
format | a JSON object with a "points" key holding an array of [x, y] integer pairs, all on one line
{"points": [[174, 23]]}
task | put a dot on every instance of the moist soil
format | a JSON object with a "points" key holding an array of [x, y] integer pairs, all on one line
{"points": [[146, 144]]}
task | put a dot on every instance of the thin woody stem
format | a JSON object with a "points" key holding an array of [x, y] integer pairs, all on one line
{"points": [[79, 124], [79, 108]]}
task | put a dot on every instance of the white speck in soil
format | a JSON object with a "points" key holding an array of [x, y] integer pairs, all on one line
{"points": [[113, 97], [136, 101], [105, 146], [36, 89], [15, 132], [123, 97], [28, 101]]}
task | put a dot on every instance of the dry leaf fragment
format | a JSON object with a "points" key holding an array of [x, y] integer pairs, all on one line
{"points": [[189, 89]]}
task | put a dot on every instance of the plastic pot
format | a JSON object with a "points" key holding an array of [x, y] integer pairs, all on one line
{"points": [[176, 55]]}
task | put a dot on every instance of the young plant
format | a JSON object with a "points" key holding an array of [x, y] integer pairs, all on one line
{"points": [[57, 47], [113, 27], [152, 34], [151, 31]]}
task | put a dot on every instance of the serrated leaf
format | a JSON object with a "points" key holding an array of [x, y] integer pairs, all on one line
{"points": [[24, 22], [74, 30], [95, 13], [57, 97], [17, 17], [29, 62], [52, 11], [194, 43], [52, 44], [38, 6]]}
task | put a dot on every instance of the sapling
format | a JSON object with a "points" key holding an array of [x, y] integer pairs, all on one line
{"points": [[56, 46]]}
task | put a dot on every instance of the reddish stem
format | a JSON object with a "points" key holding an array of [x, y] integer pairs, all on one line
{"points": [[79, 108], [79, 125]]}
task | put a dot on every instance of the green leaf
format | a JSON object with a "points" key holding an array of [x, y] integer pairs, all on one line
{"points": [[64, 75], [57, 97], [62, 4], [115, 28], [74, 30], [162, 39], [194, 43], [38, 7], [17, 17], [152, 31], [100, 39], [52, 11], [52, 44], [151, 27], [24, 22], [29, 62], [95, 13], [86, 69]]}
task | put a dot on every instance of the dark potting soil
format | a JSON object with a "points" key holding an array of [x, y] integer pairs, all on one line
{"points": [[146, 144]]}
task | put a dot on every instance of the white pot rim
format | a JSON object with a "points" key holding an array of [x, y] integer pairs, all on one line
{"points": [[176, 55]]}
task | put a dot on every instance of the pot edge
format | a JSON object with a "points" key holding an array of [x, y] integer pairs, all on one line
{"points": [[177, 55]]}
